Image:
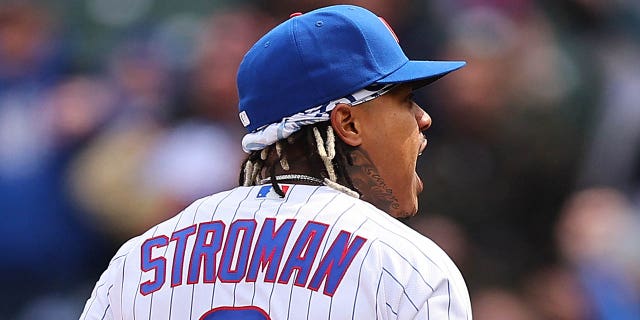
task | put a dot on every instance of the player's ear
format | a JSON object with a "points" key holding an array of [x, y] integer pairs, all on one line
{"points": [[345, 124]]}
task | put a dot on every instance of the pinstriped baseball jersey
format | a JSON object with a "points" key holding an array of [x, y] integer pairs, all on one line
{"points": [[317, 253]]}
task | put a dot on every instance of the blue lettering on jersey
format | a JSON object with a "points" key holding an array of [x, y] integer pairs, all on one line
{"points": [[265, 256], [335, 262], [269, 249], [304, 253], [180, 237], [226, 273], [158, 265], [203, 250]]}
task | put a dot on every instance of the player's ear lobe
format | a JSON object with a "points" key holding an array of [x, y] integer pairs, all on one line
{"points": [[345, 124]]}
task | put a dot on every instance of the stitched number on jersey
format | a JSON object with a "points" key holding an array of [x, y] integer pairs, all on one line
{"points": [[236, 313]]}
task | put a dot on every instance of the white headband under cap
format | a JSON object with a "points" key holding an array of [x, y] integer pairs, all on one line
{"points": [[269, 134]]}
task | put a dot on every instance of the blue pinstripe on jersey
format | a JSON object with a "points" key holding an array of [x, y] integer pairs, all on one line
{"points": [[355, 296], [105, 311], [404, 289], [94, 297]]}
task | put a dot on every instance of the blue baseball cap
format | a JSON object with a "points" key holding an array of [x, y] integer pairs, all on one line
{"points": [[322, 55]]}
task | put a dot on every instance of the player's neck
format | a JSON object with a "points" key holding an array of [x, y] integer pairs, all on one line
{"points": [[370, 184]]}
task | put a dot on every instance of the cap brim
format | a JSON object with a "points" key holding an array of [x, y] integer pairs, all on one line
{"points": [[424, 72]]}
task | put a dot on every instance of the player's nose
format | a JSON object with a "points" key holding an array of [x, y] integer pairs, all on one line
{"points": [[422, 118]]}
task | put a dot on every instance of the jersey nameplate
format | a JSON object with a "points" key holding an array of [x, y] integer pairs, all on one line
{"points": [[230, 254]]}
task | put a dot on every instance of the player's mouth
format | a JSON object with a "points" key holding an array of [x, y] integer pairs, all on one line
{"points": [[423, 145]]}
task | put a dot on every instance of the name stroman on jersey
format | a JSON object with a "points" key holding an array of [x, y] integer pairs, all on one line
{"points": [[229, 254]]}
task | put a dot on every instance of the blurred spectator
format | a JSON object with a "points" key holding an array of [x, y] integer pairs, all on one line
{"points": [[598, 235], [503, 150], [556, 293], [105, 174], [158, 171], [613, 157], [165, 165], [140, 77], [447, 234], [500, 304], [393, 12], [225, 37], [44, 119], [31, 55]]}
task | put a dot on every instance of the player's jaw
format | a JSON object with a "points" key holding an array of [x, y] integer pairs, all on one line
{"points": [[412, 187], [423, 121], [389, 180]]}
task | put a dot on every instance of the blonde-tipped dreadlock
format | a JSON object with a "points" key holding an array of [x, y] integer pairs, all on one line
{"points": [[283, 158], [326, 156]]}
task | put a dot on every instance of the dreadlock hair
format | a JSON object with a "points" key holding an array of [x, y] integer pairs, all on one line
{"points": [[328, 159]]}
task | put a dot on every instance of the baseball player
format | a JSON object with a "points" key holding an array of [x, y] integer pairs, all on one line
{"points": [[311, 233]]}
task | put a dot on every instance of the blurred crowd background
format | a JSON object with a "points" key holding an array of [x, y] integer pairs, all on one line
{"points": [[115, 114]]}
